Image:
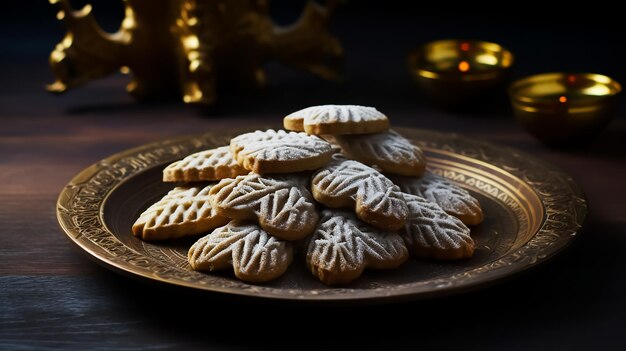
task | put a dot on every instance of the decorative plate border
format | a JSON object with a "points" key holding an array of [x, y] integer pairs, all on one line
{"points": [[80, 209]]}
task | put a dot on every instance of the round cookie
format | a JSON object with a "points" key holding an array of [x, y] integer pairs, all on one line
{"points": [[184, 211], [337, 120], [430, 232], [254, 255], [273, 151], [389, 151], [351, 184], [207, 165], [342, 247]]}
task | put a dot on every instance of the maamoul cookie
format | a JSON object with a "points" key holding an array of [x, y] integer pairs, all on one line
{"points": [[453, 199], [254, 255], [347, 183], [184, 211], [389, 151], [281, 205], [273, 151], [337, 120], [431, 232], [342, 247], [207, 165]]}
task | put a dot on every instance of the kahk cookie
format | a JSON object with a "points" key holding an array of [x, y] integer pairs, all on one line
{"points": [[253, 254], [184, 211], [342, 247], [337, 120], [431, 232], [273, 151], [351, 184], [282, 206], [453, 199], [389, 151], [207, 165]]}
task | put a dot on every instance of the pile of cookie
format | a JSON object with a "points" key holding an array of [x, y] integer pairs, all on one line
{"points": [[340, 184]]}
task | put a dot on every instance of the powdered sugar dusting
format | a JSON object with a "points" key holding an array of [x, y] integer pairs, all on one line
{"points": [[337, 114], [431, 232], [214, 164], [342, 247], [389, 151], [183, 211], [451, 198], [279, 151], [345, 183], [282, 206], [255, 255], [279, 145]]}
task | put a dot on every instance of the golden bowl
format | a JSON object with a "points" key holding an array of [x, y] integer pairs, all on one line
{"points": [[564, 107], [459, 71]]}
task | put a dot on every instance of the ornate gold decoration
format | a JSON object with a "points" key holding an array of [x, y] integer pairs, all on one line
{"points": [[532, 211], [187, 47]]}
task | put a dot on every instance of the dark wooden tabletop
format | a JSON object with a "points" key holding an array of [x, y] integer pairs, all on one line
{"points": [[53, 296]]}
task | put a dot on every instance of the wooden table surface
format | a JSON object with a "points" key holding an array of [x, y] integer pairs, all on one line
{"points": [[53, 296]]}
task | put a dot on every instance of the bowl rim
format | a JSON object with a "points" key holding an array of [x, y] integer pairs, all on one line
{"points": [[416, 56], [516, 86]]}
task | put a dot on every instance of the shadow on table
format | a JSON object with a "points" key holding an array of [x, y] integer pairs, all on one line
{"points": [[561, 299]]}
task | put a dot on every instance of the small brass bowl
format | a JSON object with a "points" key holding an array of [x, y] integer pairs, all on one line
{"points": [[459, 71], [559, 108]]}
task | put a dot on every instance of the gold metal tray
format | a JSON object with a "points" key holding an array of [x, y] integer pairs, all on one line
{"points": [[532, 211]]}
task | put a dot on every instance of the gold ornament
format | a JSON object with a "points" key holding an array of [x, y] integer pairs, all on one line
{"points": [[185, 47]]}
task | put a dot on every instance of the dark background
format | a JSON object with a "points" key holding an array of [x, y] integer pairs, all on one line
{"points": [[53, 297], [376, 36]]}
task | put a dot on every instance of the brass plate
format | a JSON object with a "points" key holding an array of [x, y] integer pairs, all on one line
{"points": [[532, 211]]}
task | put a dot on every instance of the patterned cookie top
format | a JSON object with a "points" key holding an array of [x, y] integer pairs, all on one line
{"points": [[453, 199], [347, 183], [255, 255], [431, 232], [337, 119], [389, 151], [183, 211], [273, 151], [282, 206], [207, 165], [343, 246]]}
